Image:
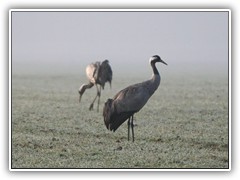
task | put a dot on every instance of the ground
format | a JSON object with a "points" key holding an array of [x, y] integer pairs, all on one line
{"points": [[185, 124]]}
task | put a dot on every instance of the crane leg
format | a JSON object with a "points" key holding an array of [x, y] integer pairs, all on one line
{"points": [[130, 123], [91, 105], [132, 126], [99, 95], [128, 128]]}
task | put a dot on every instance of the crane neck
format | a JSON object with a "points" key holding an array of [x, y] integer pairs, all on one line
{"points": [[155, 71], [155, 80], [84, 87]]}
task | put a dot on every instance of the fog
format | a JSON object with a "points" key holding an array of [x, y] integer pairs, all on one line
{"points": [[65, 42]]}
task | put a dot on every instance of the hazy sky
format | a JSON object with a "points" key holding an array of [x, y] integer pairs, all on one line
{"points": [[67, 41]]}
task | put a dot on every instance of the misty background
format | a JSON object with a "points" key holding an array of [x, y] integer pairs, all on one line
{"points": [[66, 42]]}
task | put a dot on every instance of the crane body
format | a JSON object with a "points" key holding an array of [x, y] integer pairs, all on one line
{"points": [[130, 100], [98, 73]]}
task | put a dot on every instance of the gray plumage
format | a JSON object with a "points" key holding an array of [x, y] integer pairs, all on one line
{"points": [[130, 100], [98, 73]]}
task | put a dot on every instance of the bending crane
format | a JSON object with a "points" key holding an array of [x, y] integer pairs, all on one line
{"points": [[98, 73]]}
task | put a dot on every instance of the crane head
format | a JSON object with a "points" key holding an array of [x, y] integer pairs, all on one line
{"points": [[155, 59], [81, 91]]}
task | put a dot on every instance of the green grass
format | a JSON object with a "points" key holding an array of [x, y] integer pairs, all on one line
{"points": [[183, 125]]}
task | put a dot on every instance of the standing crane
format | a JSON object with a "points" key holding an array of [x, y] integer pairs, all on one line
{"points": [[98, 73], [130, 100]]}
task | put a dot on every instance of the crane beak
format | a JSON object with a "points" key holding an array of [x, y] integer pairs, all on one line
{"points": [[163, 62], [80, 95]]}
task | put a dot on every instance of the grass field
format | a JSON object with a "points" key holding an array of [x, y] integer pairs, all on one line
{"points": [[183, 125]]}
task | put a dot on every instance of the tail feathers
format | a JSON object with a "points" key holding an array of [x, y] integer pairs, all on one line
{"points": [[119, 119], [110, 83], [107, 112], [112, 119]]}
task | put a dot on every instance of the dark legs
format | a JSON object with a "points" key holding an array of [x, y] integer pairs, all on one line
{"points": [[132, 129], [98, 95], [130, 123], [128, 127]]}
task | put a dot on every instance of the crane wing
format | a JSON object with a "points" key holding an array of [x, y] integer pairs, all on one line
{"points": [[132, 98], [105, 73], [92, 71]]}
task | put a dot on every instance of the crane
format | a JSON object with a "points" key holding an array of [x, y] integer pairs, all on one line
{"points": [[130, 100], [98, 73]]}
